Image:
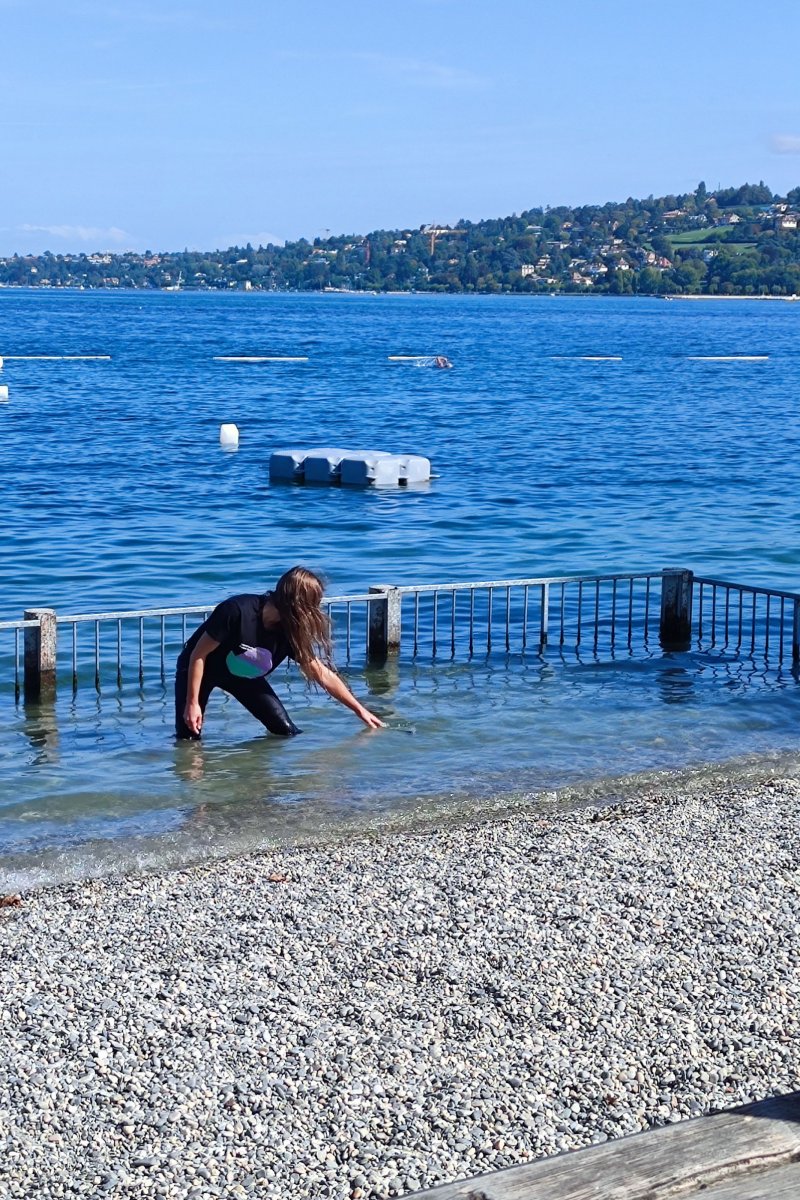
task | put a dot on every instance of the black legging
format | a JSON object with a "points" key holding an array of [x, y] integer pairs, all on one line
{"points": [[255, 694]]}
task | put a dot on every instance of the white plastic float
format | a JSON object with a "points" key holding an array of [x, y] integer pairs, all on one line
{"points": [[3, 393], [229, 436], [353, 468]]}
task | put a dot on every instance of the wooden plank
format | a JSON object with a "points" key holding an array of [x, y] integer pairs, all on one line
{"points": [[782, 1183], [733, 1155]]}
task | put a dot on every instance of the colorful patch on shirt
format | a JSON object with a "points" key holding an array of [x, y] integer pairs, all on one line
{"points": [[250, 662]]}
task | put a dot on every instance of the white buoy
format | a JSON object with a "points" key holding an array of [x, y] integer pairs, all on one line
{"points": [[3, 392], [229, 435], [1, 364]]}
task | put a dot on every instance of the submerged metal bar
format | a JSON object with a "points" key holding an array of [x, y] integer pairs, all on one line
{"points": [[119, 653], [700, 618], [727, 615], [545, 622], [435, 618], [453, 625], [472, 621], [525, 617], [489, 621], [630, 614], [580, 604], [647, 609], [508, 618], [613, 611]]}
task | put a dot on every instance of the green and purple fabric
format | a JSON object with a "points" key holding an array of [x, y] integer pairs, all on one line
{"points": [[249, 662]]}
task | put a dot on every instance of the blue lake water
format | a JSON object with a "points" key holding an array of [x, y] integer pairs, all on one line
{"points": [[116, 494]]}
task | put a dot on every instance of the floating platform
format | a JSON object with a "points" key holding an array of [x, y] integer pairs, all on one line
{"points": [[353, 468]]}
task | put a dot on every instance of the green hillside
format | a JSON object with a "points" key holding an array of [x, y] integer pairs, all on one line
{"points": [[736, 241]]}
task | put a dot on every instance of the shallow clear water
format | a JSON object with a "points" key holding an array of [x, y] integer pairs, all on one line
{"points": [[116, 494]]}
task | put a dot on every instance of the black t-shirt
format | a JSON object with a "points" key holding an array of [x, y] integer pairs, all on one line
{"points": [[235, 623]]}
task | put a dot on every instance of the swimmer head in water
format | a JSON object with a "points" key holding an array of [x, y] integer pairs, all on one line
{"points": [[442, 361]]}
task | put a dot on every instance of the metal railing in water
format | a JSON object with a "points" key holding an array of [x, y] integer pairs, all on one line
{"points": [[576, 615], [515, 615], [740, 618]]}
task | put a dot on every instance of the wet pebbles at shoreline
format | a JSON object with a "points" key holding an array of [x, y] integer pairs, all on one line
{"points": [[378, 1016]]}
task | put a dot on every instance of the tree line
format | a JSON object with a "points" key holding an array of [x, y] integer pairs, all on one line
{"points": [[732, 241]]}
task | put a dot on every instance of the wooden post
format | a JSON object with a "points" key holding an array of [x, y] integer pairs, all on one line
{"points": [[675, 630], [384, 622], [40, 656]]}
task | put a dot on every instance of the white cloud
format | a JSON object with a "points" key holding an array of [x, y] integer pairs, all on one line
{"points": [[419, 72], [80, 233], [415, 72], [786, 143]]}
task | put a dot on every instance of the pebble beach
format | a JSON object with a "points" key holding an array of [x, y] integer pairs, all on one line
{"points": [[377, 1016]]}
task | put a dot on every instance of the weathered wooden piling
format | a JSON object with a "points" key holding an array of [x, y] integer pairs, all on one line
{"points": [[40, 656], [675, 628], [383, 637]]}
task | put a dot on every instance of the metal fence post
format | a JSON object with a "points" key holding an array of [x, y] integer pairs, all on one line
{"points": [[675, 629], [796, 632], [40, 656], [384, 622]]}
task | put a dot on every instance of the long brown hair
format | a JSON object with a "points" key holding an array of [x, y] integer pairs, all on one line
{"points": [[297, 597]]}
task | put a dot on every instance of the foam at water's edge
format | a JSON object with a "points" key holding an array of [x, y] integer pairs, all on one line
{"points": [[452, 810]]}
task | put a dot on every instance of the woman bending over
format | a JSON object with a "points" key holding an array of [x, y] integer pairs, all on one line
{"points": [[243, 641]]}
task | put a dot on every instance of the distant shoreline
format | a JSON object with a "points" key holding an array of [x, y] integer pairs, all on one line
{"points": [[702, 296], [30, 289]]}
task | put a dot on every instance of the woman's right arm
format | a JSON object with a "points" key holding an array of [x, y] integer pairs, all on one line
{"points": [[192, 713]]}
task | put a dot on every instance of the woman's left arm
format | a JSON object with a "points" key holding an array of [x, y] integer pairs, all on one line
{"points": [[336, 687]]}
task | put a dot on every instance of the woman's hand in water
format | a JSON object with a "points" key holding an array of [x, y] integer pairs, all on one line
{"points": [[336, 687], [193, 717], [370, 720]]}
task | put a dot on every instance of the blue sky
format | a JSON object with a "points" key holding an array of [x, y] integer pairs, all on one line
{"points": [[159, 124]]}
